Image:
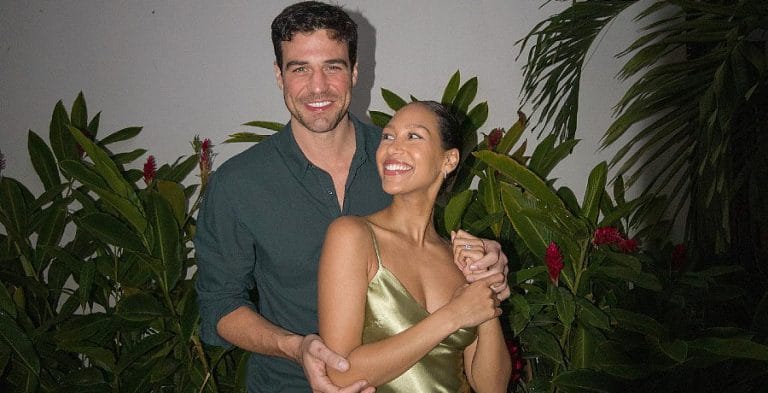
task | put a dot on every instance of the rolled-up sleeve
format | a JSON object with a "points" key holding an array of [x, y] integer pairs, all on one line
{"points": [[225, 259]]}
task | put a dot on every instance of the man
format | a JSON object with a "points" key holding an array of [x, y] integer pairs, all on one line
{"points": [[266, 210]]}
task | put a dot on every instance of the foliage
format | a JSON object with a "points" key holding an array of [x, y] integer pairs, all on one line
{"points": [[697, 103], [96, 276], [592, 312]]}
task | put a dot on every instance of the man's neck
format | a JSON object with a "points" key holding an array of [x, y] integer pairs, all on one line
{"points": [[327, 150]]}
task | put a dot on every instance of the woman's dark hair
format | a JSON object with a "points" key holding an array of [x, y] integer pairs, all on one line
{"points": [[310, 16], [449, 125]]}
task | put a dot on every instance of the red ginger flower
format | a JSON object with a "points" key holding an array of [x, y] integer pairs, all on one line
{"points": [[678, 257], [150, 170], [628, 246], [517, 360], [204, 149], [554, 262], [494, 138], [606, 235]]}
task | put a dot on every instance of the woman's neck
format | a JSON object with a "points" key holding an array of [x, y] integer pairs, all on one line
{"points": [[412, 217]]}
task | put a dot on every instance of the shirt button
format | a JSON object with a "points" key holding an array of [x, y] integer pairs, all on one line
{"points": [[330, 192]]}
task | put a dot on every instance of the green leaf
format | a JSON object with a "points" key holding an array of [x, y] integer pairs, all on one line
{"points": [[477, 117], [738, 348], [455, 208], [533, 235], [51, 232], [92, 327], [111, 231], [14, 211], [639, 278], [245, 137], [7, 305], [105, 167], [136, 351], [119, 136], [465, 96], [379, 118], [100, 357], [167, 240], [269, 125], [526, 274], [174, 193], [179, 172], [82, 173], [592, 315], [565, 306], [532, 184], [449, 93], [393, 101], [140, 307], [676, 350], [590, 208], [20, 343], [79, 114], [587, 380], [189, 314], [639, 323], [62, 142], [85, 281], [43, 161], [542, 342], [128, 157]]}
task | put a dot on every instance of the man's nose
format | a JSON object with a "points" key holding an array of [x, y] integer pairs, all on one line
{"points": [[319, 81]]}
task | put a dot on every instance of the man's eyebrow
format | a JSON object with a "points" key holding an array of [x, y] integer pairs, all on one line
{"points": [[294, 63], [337, 61], [297, 63]]}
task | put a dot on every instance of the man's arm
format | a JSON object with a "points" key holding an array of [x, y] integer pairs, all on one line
{"points": [[224, 281], [479, 258]]}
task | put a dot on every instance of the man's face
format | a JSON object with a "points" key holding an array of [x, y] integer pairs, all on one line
{"points": [[316, 80]]}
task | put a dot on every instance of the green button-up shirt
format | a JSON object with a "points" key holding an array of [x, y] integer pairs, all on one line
{"points": [[262, 224]]}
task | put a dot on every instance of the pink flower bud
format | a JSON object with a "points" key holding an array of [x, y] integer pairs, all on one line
{"points": [[554, 261], [606, 235], [494, 138], [150, 170], [628, 246]]}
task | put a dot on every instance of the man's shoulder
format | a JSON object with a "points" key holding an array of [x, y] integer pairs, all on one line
{"points": [[254, 159]]}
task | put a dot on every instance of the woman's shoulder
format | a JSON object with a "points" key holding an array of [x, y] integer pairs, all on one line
{"points": [[348, 228]]}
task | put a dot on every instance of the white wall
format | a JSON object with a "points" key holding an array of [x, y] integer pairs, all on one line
{"points": [[181, 68]]}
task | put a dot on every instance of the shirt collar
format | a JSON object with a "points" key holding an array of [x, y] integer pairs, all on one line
{"points": [[299, 164]]}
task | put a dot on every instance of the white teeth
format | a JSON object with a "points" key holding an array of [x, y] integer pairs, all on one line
{"points": [[397, 167], [319, 104]]}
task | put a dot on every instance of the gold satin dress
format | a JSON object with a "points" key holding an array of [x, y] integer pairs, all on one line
{"points": [[389, 310]]}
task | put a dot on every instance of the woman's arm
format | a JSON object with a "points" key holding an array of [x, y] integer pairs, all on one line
{"points": [[342, 284], [486, 361]]}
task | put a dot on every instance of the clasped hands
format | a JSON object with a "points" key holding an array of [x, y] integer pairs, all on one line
{"points": [[477, 258]]}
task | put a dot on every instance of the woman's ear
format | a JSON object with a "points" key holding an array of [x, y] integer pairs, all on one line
{"points": [[451, 160]]}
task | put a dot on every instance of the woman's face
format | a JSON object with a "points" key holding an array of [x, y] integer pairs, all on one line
{"points": [[410, 156]]}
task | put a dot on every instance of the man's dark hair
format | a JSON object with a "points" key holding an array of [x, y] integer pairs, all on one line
{"points": [[310, 16]]}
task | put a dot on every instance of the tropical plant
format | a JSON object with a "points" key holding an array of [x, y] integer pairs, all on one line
{"points": [[697, 103], [96, 276]]}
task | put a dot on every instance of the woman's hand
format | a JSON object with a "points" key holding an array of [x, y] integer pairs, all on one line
{"points": [[475, 303], [479, 258]]}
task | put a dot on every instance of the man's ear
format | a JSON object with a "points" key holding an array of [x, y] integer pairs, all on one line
{"points": [[451, 160], [354, 74], [278, 76]]}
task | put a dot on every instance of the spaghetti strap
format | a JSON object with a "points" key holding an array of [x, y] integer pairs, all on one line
{"points": [[375, 243]]}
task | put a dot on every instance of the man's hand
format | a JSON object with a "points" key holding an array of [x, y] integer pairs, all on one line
{"points": [[479, 258], [315, 357]]}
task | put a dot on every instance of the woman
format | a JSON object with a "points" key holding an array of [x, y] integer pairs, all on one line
{"points": [[390, 297]]}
